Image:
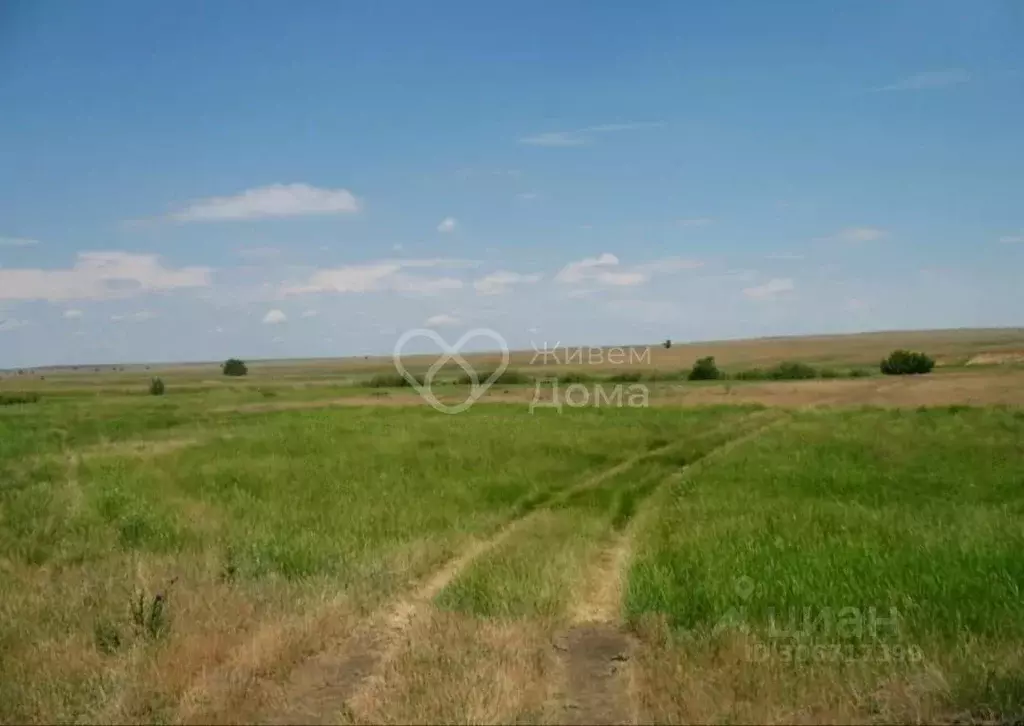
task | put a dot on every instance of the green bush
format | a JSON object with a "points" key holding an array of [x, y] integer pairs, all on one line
{"points": [[792, 371], [753, 374], [906, 362], [705, 370], [625, 377], [156, 387], [829, 373], [14, 399], [508, 377], [858, 373], [573, 377], [234, 367], [391, 380]]}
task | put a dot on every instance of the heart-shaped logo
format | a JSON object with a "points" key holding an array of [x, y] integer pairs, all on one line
{"points": [[450, 353]]}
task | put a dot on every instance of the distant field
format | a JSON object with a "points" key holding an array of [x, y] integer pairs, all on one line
{"points": [[302, 548]]}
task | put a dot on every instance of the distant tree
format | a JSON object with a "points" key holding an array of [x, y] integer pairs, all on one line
{"points": [[705, 370], [906, 363], [156, 387], [667, 343], [234, 367]]}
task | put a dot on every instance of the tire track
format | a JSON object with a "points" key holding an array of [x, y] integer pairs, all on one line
{"points": [[597, 680], [321, 686]]}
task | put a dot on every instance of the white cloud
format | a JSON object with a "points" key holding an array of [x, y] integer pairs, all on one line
{"points": [[274, 317], [854, 305], [527, 196], [770, 289], [381, 276], [17, 242], [584, 136], [100, 275], [696, 222], [397, 247], [855, 234], [929, 80], [784, 256], [442, 321], [606, 270], [73, 314], [1011, 239], [276, 200], [7, 324], [447, 224], [500, 282], [138, 317], [309, 314]]}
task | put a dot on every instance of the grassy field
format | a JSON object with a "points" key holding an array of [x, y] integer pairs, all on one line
{"points": [[297, 548]]}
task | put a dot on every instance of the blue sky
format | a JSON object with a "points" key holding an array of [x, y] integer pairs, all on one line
{"points": [[192, 181]]}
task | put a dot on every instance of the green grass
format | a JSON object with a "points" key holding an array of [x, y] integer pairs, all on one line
{"points": [[844, 514], [826, 512]]}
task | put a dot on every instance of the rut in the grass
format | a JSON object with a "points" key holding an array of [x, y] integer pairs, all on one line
{"points": [[596, 649], [319, 688]]}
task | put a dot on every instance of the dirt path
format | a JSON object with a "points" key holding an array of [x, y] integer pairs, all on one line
{"points": [[319, 689], [595, 650]]}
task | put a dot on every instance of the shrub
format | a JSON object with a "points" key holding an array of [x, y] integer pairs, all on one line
{"points": [[390, 380], [14, 399], [705, 370], [858, 373], [792, 371], [573, 377], [508, 377], [234, 367], [829, 373], [156, 387], [753, 374], [625, 377], [906, 362]]}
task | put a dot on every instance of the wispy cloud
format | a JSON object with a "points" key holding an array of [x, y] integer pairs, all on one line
{"points": [[7, 324], [448, 224], [73, 314], [605, 270], [442, 321], [139, 317], [381, 276], [1011, 239], [928, 80], [17, 242], [276, 200], [100, 275], [771, 289], [583, 136], [855, 234], [274, 317], [501, 282], [696, 222]]}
